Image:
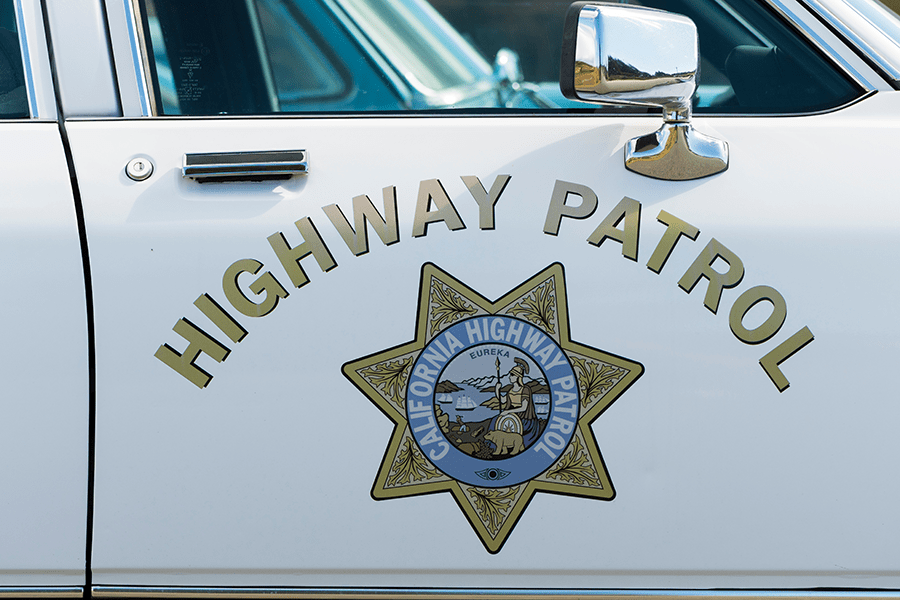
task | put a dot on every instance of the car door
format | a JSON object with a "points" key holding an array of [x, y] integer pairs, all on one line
{"points": [[294, 314], [44, 397]]}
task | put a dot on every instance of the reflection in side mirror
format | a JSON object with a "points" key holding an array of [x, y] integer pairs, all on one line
{"points": [[621, 54], [633, 55]]}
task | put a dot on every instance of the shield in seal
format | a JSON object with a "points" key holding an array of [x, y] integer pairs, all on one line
{"points": [[510, 424], [492, 401]]}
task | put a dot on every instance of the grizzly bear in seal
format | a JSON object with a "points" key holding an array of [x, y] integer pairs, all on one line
{"points": [[506, 442]]}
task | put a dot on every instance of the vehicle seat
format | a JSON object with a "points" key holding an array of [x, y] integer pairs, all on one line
{"points": [[766, 78]]}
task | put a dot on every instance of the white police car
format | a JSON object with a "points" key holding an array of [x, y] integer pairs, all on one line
{"points": [[307, 298]]}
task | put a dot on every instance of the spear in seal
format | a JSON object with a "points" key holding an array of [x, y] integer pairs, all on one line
{"points": [[499, 399]]}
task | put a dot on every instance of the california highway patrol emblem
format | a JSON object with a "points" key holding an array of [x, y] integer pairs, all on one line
{"points": [[492, 401]]}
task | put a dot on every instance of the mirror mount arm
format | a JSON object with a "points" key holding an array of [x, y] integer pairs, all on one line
{"points": [[679, 112], [676, 152]]}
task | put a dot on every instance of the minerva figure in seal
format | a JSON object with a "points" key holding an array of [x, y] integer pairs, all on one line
{"points": [[516, 427]]}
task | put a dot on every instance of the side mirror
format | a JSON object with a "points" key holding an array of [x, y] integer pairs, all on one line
{"points": [[621, 54]]}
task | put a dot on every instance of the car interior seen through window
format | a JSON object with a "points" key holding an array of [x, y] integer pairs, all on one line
{"points": [[13, 100], [242, 57]]}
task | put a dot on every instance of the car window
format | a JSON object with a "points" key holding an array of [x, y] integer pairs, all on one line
{"points": [[432, 56], [214, 57], [13, 99], [218, 57], [749, 60], [752, 63], [303, 70]]}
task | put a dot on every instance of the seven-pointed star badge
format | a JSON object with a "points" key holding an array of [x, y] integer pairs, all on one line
{"points": [[492, 401]]}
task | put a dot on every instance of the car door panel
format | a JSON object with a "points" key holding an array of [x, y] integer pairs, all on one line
{"points": [[263, 477]]}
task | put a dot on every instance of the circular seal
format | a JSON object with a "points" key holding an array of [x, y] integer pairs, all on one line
{"points": [[492, 401]]}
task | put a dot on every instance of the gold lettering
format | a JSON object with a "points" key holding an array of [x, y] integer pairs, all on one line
{"points": [[770, 326], [264, 283], [626, 210], [312, 244], [220, 318], [364, 211], [430, 191], [675, 228], [786, 349], [702, 267], [559, 209], [198, 342], [484, 200]]}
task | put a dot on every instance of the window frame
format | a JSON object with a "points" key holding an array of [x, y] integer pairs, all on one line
{"points": [[794, 24]]}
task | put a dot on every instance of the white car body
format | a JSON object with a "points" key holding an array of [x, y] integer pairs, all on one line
{"points": [[261, 481]]}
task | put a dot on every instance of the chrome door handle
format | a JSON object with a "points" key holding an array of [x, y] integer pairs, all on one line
{"points": [[245, 166]]}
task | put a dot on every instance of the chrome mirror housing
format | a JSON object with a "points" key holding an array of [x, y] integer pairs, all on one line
{"points": [[623, 54]]}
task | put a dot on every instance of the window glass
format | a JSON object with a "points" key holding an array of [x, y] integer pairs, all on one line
{"points": [[13, 99], [265, 56], [771, 70], [431, 56], [751, 63], [303, 74], [245, 57]]}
